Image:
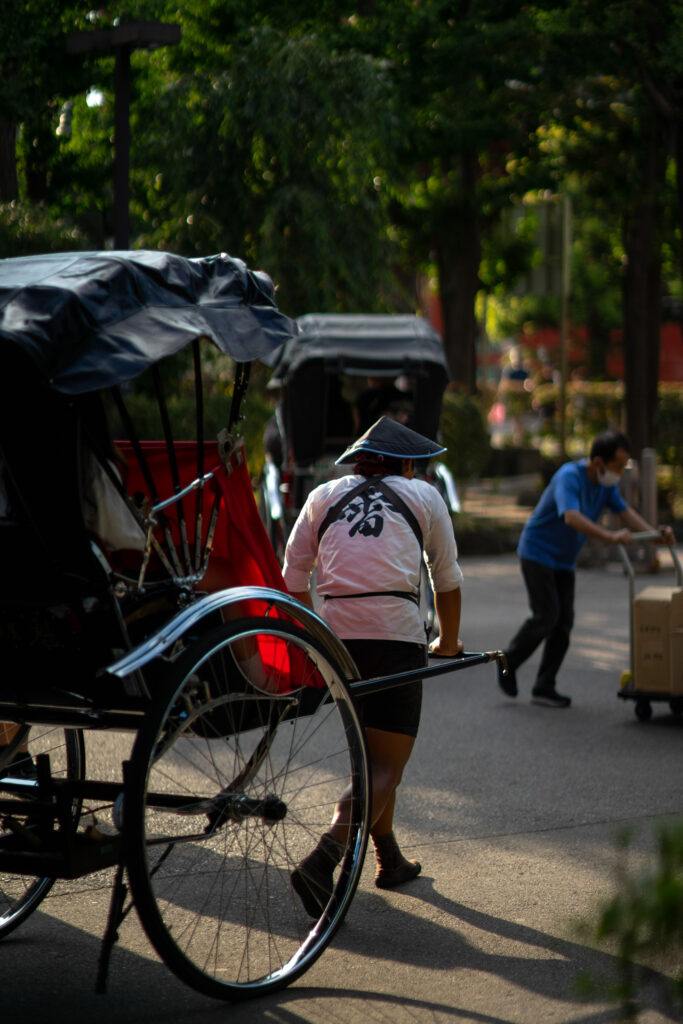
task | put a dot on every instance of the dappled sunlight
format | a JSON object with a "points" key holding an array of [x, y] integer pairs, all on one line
{"points": [[602, 653], [497, 568], [604, 646]]}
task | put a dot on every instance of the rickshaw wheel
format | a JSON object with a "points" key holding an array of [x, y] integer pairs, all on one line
{"points": [[234, 778], [20, 895]]}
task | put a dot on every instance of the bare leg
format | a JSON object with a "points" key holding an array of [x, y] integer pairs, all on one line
{"points": [[313, 879], [389, 753], [385, 822]]}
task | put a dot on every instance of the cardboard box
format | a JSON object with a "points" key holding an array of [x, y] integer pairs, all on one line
{"points": [[657, 618]]}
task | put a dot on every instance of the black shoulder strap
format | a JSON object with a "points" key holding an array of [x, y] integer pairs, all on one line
{"points": [[400, 504]]}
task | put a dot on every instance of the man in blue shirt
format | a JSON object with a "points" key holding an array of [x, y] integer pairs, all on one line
{"points": [[567, 513]]}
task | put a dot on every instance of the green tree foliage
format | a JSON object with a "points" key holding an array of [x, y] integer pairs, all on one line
{"points": [[278, 134], [345, 149], [616, 145], [465, 435], [36, 76], [29, 228], [463, 83]]}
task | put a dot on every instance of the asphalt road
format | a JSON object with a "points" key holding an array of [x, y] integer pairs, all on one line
{"points": [[514, 811]]}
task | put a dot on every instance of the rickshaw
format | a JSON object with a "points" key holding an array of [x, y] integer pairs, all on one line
{"points": [[335, 377], [140, 596]]}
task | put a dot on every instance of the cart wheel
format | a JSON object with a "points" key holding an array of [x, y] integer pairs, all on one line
{"points": [[20, 895], [234, 778], [643, 710], [676, 705]]}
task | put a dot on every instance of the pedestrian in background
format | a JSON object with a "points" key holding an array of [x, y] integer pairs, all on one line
{"points": [[567, 512]]}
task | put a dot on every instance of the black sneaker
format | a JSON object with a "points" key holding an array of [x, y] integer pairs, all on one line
{"points": [[549, 698], [507, 680]]}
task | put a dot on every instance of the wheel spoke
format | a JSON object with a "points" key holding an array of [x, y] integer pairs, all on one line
{"points": [[20, 895], [221, 910]]}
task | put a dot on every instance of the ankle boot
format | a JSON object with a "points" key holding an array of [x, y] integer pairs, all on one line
{"points": [[392, 867], [313, 879]]}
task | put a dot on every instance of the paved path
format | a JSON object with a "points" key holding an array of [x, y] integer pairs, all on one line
{"points": [[514, 811]]}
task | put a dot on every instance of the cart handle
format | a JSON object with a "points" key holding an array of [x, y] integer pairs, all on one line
{"points": [[649, 535], [449, 664], [646, 535]]}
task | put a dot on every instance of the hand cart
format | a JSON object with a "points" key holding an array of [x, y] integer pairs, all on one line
{"points": [[629, 689]]}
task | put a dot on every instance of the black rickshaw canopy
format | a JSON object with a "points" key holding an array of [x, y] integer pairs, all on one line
{"points": [[76, 327], [93, 320], [332, 346], [360, 343]]}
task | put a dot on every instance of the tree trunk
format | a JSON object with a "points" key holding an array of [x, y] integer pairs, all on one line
{"points": [[9, 187], [457, 242], [677, 131], [642, 299], [598, 344]]}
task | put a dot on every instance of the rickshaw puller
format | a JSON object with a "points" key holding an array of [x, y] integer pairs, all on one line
{"points": [[367, 534]]}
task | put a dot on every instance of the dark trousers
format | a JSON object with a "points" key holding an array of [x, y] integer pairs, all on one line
{"points": [[551, 599]]}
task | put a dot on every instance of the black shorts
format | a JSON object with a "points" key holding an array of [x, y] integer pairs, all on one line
{"points": [[397, 709]]}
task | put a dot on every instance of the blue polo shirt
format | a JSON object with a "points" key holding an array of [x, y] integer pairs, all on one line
{"points": [[546, 538]]}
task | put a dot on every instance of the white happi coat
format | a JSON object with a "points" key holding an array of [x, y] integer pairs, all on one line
{"points": [[371, 548]]}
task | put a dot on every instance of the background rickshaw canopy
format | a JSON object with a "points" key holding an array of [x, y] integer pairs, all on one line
{"points": [[329, 347], [363, 344]]}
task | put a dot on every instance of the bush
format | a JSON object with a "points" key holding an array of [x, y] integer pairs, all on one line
{"points": [[646, 915], [591, 406], [669, 424], [465, 434]]}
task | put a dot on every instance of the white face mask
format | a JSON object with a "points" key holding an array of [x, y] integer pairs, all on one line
{"points": [[608, 478]]}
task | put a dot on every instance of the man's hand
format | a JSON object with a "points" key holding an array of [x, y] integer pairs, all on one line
{"points": [[666, 536], [446, 650], [622, 536]]}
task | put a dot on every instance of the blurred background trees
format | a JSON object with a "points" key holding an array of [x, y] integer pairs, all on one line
{"points": [[381, 157]]}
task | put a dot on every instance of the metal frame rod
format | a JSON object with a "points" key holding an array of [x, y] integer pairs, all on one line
{"points": [[194, 486], [466, 660]]}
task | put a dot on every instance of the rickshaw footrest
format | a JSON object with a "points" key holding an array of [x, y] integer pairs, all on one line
{"points": [[80, 855]]}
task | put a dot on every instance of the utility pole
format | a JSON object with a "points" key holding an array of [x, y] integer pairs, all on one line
{"points": [[564, 316], [121, 41]]}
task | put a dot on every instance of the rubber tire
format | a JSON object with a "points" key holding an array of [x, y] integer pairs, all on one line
{"points": [[248, 905], [643, 710], [20, 895]]}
